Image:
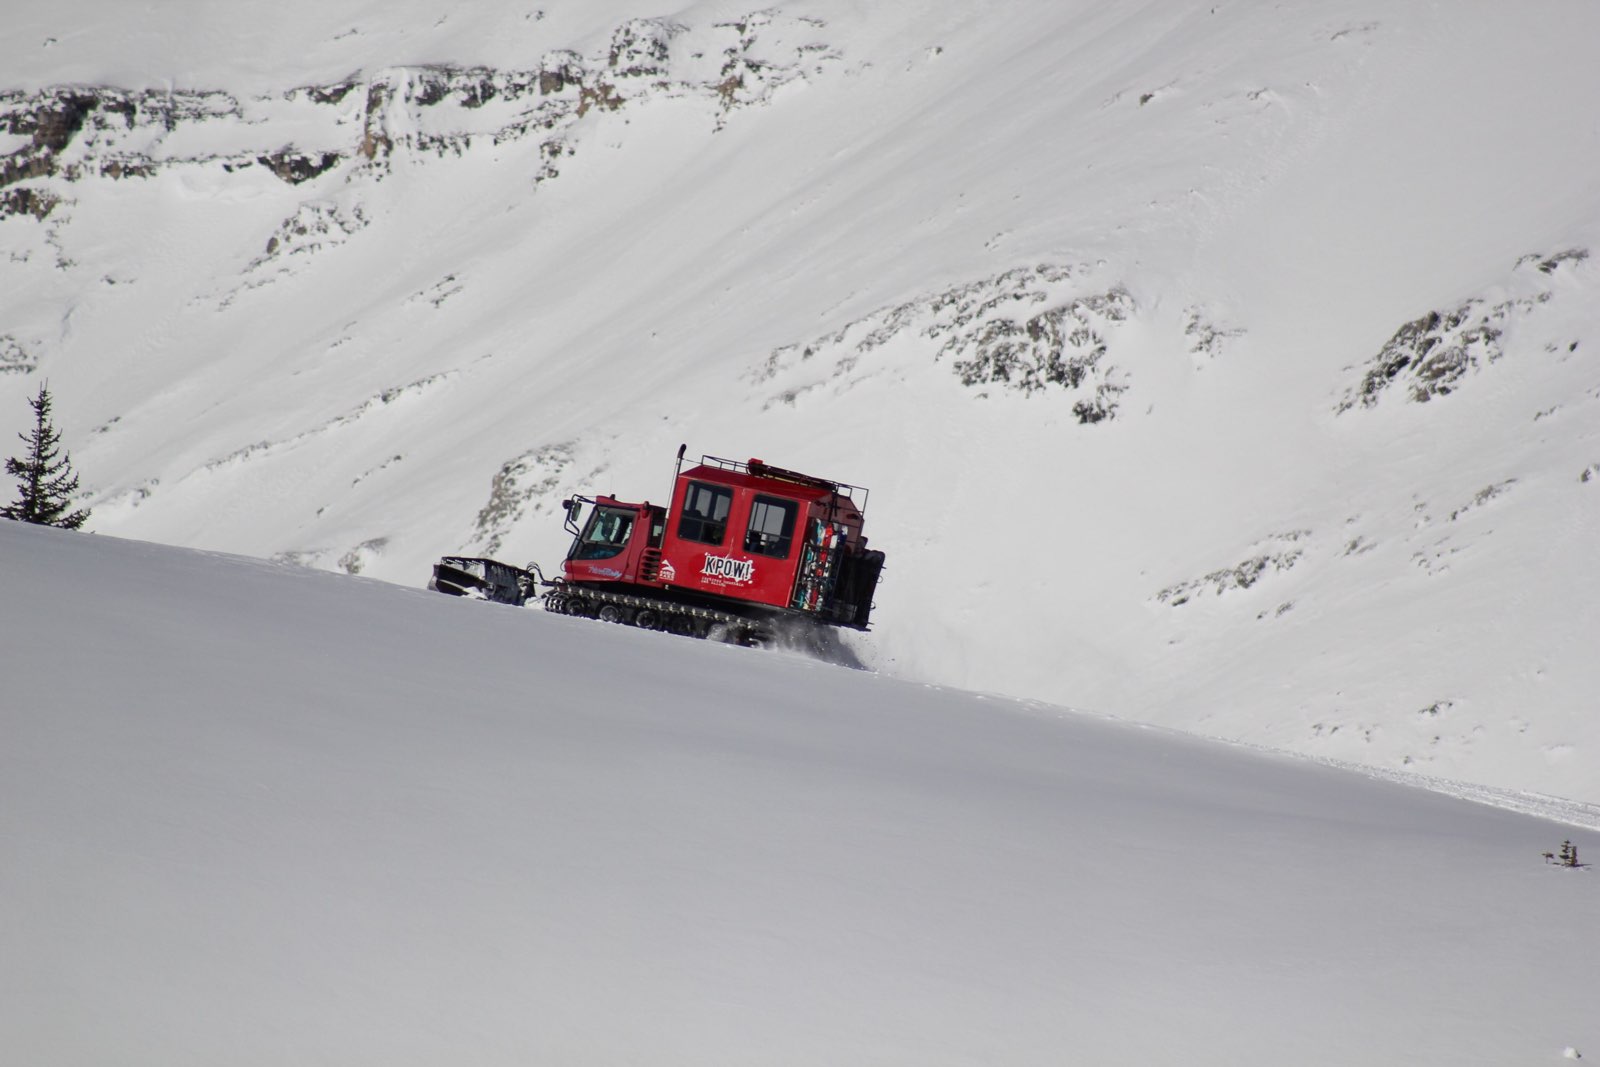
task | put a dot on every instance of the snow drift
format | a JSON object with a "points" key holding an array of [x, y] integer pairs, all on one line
{"points": [[252, 813]]}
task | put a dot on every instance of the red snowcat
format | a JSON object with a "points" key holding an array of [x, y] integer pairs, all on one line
{"points": [[742, 551]]}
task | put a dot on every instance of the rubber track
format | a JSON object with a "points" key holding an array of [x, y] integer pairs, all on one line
{"points": [[663, 608]]}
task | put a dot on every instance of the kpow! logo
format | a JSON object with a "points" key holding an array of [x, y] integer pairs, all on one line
{"points": [[728, 569]]}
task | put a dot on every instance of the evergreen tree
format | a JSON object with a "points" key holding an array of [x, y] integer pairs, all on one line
{"points": [[45, 478]]}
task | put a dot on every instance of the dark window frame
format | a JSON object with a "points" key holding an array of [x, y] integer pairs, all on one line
{"points": [[762, 542], [698, 526]]}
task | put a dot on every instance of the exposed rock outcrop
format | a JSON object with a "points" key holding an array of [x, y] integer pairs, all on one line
{"points": [[1275, 554], [519, 480], [1028, 330], [77, 132], [14, 359], [1431, 356]]}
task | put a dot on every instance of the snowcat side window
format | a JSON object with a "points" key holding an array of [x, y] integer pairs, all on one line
{"points": [[771, 526], [606, 535], [705, 513]]}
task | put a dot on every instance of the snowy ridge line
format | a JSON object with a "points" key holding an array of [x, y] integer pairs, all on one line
{"points": [[140, 493], [365, 408], [1577, 813], [1555, 809], [1539, 805]]}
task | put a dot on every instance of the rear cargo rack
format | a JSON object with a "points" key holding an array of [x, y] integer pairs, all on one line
{"points": [[757, 469]]}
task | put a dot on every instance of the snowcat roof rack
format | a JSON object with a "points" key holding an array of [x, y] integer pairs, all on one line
{"points": [[757, 469]]}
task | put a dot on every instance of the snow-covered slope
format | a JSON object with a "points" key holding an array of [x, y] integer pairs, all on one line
{"points": [[255, 814], [1230, 367]]}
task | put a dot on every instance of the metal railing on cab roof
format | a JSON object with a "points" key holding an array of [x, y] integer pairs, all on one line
{"points": [[757, 469]]}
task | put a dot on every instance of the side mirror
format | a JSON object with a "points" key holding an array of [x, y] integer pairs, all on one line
{"points": [[573, 508]]}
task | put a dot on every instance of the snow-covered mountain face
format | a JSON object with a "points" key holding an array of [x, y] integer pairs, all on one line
{"points": [[1227, 367]]}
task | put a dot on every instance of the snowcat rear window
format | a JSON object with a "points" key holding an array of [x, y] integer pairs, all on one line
{"points": [[771, 526], [705, 513]]}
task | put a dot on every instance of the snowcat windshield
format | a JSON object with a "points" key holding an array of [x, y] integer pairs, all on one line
{"points": [[605, 535]]}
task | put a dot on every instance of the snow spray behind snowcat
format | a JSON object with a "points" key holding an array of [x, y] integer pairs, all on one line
{"points": [[743, 551]]}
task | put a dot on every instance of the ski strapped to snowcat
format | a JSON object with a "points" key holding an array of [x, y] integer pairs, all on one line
{"points": [[742, 551]]}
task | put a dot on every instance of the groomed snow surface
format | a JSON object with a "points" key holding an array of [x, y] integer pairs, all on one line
{"points": [[254, 814]]}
